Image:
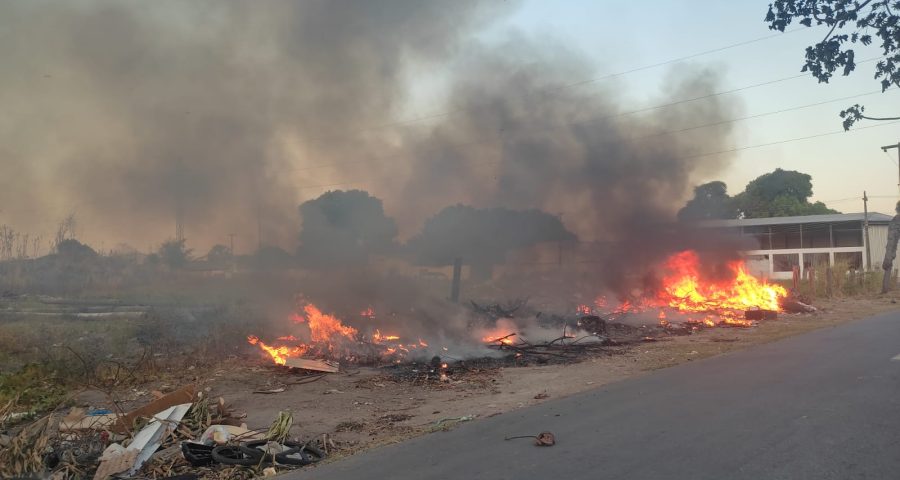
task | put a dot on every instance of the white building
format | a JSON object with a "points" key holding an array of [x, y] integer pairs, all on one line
{"points": [[810, 240]]}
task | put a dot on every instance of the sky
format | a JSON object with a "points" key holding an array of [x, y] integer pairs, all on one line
{"points": [[645, 33], [108, 103]]}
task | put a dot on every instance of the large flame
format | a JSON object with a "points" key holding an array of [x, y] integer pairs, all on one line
{"points": [[684, 288]]}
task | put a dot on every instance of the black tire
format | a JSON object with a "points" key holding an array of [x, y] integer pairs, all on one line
{"points": [[307, 454], [228, 455]]}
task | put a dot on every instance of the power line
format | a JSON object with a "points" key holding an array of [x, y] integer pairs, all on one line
{"points": [[719, 152], [668, 132], [593, 80], [797, 139], [645, 109]]}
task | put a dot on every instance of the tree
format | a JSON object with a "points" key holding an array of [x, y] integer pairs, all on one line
{"points": [[219, 255], [344, 228], [74, 250], [849, 23], [711, 201], [780, 193], [482, 237], [270, 257], [174, 253]]}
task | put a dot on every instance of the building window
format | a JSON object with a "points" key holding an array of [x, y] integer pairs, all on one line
{"points": [[819, 261], [760, 235], [848, 260], [816, 235], [847, 234], [785, 236], [785, 262]]}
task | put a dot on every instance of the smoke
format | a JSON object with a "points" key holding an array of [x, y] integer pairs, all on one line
{"points": [[124, 111]]}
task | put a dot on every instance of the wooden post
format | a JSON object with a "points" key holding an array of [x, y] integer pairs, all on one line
{"points": [[811, 278], [457, 273], [796, 277], [829, 281]]}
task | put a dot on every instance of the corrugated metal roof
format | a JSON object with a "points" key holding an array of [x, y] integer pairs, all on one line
{"points": [[874, 217]]}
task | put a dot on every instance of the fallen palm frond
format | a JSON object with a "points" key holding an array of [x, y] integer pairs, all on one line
{"points": [[24, 454], [281, 427]]}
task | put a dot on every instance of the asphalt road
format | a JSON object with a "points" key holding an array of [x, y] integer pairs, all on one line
{"points": [[825, 405]]}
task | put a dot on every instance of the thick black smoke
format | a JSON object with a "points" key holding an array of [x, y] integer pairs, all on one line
{"points": [[121, 110]]}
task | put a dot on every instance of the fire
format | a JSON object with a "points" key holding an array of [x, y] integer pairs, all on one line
{"points": [[324, 328], [279, 354], [584, 310], [685, 290], [377, 337], [502, 339], [330, 338]]}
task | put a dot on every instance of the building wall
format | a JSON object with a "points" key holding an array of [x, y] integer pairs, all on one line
{"points": [[878, 243]]}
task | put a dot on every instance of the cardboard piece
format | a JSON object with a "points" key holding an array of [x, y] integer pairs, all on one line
{"points": [[183, 395], [117, 459], [77, 420], [315, 365]]}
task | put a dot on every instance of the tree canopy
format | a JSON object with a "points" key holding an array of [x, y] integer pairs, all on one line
{"points": [[483, 236], [175, 253], [344, 228], [780, 193], [850, 24], [711, 201]]}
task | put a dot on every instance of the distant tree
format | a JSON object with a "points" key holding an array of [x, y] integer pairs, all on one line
{"points": [[73, 249], [270, 257], [344, 228], [848, 23], [482, 237], [711, 201], [780, 193], [219, 255], [65, 229], [174, 253]]}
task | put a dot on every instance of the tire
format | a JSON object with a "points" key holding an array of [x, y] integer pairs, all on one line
{"points": [[228, 455]]}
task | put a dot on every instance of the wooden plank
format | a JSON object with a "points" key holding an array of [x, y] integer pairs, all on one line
{"points": [[314, 365], [183, 395]]}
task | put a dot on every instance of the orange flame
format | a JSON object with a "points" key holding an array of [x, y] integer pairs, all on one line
{"points": [[685, 290], [279, 354]]}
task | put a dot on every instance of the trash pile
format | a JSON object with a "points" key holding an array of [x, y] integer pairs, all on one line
{"points": [[180, 435]]}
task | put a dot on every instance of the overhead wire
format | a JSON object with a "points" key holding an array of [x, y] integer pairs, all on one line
{"points": [[595, 79]]}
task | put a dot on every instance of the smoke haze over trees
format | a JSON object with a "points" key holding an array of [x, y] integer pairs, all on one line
{"points": [[482, 237], [343, 228], [234, 114]]}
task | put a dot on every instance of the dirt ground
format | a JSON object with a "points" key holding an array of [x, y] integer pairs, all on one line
{"points": [[367, 407]]}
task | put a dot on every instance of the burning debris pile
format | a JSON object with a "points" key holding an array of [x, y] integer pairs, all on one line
{"points": [[328, 338], [685, 297]]}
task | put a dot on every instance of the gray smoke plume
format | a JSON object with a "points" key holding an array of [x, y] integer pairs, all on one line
{"points": [[121, 110]]}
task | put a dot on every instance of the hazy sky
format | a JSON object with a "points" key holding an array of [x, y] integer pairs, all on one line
{"points": [[625, 35]]}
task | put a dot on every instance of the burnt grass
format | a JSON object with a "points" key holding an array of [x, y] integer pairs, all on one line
{"points": [[616, 339]]}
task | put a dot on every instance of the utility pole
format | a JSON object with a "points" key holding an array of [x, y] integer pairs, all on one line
{"points": [[866, 230], [258, 227], [897, 146]]}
